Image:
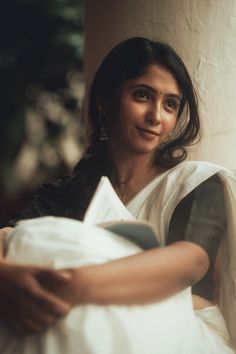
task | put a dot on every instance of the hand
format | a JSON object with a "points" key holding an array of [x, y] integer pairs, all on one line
{"points": [[3, 233], [25, 306], [74, 292]]}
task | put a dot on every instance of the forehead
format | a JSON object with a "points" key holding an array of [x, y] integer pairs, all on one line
{"points": [[158, 78]]}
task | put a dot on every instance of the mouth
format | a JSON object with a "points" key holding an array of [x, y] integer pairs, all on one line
{"points": [[148, 131]]}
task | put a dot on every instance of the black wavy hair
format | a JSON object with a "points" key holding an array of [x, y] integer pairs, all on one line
{"points": [[129, 60]]}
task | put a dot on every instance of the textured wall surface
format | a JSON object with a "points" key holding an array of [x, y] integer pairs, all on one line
{"points": [[203, 32]]}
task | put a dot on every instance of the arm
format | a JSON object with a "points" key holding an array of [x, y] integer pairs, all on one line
{"points": [[149, 276], [194, 236], [25, 305], [200, 218]]}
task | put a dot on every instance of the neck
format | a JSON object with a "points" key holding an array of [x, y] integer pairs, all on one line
{"points": [[127, 170], [131, 174]]}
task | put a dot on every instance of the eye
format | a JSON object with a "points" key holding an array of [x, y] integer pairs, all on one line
{"points": [[142, 95], [171, 104]]}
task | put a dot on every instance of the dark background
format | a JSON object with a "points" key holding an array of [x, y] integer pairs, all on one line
{"points": [[41, 102]]}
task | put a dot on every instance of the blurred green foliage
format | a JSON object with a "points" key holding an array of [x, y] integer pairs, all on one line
{"points": [[41, 45]]}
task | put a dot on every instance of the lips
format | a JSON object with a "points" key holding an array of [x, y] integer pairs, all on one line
{"points": [[148, 131]]}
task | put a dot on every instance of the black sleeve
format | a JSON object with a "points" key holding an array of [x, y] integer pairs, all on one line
{"points": [[49, 200], [200, 217]]}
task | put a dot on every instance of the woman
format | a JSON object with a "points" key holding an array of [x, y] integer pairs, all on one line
{"points": [[142, 115]]}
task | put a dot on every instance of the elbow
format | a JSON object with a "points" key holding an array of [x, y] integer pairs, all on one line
{"points": [[193, 263], [200, 266]]}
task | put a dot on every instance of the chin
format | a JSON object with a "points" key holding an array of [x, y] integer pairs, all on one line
{"points": [[144, 149]]}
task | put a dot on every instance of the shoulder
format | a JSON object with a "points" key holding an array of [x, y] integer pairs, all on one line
{"points": [[48, 200], [193, 166], [190, 174], [209, 192], [206, 195], [54, 188], [201, 181], [177, 182], [211, 184]]}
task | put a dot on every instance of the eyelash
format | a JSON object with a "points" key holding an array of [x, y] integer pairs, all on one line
{"points": [[170, 104], [142, 95]]}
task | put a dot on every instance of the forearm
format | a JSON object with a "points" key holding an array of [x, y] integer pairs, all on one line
{"points": [[146, 277]]}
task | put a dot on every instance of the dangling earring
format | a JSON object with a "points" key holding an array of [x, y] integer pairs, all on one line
{"points": [[103, 131]]}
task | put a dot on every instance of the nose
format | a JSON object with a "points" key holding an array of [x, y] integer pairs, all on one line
{"points": [[153, 116]]}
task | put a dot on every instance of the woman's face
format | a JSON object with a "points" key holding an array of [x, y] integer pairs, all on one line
{"points": [[148, 111]]}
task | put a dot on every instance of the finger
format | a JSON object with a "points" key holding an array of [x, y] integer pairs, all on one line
{"points": [[21, 329], [10, 320], [26, 319], [33, 292], [3, 233], [37, 319], [29, 326], [54, 276], [33, 302], [8, 229], [26, 327], [17, 328], [2, 248], [50, 303]]}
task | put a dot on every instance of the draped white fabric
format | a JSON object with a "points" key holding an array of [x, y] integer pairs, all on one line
{"points": [[157, 201], [167, 327]]}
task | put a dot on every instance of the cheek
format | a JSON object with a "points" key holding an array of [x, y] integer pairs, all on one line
{"points": [[128, 114], [132, 110], [168, 126], [174, 122], [171, 122]]}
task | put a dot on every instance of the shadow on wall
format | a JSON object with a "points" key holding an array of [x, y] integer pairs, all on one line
{"points": [[42, 90]]}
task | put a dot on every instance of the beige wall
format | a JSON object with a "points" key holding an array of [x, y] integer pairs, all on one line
{"points": [[204, 34]]}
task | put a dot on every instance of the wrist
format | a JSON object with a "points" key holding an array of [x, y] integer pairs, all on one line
{"points": [[84, 286]]}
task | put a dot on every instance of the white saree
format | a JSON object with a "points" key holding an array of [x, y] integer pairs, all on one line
{"points": [[168, 327]]}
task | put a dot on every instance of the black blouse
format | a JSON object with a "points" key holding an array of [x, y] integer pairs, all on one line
{"points": [[198, 218]]}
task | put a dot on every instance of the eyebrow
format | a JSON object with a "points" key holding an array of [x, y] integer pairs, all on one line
{"points": [[147, 87]]}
